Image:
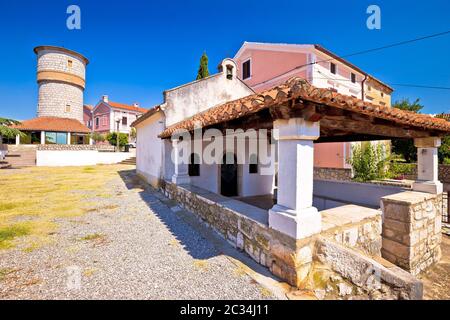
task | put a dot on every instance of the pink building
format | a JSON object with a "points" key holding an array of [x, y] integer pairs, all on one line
{"points": [[108, 116], [264, 65]]}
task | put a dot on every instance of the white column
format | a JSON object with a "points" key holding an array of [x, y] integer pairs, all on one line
{"points": [[428, 165], [181, 175], [91, 141], [42, 137], [294, 214], [68, 138], [17, 140]]}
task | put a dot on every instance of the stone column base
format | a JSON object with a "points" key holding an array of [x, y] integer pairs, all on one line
{"points": [[181, 179], [297, 225], [433, 187]]}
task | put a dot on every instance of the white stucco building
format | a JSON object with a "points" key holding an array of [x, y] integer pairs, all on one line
{"points": [[266, 201]]}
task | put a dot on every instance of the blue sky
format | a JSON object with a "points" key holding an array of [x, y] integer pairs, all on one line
{"points": [[139, 48]]}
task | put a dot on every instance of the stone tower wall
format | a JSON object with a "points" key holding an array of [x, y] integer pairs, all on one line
{"points": [[61, 80]]}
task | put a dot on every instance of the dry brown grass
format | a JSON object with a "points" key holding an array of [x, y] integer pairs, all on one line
{"points": [[42, 195]]}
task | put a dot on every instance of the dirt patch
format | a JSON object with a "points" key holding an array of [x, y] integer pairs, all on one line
{"points": [[436, 281]]}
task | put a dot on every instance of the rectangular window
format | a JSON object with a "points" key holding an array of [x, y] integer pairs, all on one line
{"points": [[55, 138], [69, 63], [124, 121], [332, 68], [104, 119], [246, 70], [67, 107], [353, 76], [97, 122]]}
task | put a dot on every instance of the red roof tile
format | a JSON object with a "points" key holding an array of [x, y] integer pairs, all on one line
{"points": [[126, 107], [300, 88], [53, 124], [147, 115]]}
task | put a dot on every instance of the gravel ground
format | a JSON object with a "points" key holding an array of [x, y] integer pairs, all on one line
{"points": [[133, 245]]}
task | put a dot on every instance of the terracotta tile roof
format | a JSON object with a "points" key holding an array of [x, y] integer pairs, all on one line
{"points": [[126, 107], [146, 115], [300, 88], [88, 106], [53, 124], [445, 116]]}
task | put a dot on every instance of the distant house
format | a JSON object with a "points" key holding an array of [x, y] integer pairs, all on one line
{"points": [[108, 116], [264, 65]]}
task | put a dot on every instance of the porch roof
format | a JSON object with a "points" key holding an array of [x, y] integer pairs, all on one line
{"points": [[342, 118], [53, 124]]}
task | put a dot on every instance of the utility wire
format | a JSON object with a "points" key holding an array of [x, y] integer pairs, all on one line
{"points": [[393, 84], [360, 53]]}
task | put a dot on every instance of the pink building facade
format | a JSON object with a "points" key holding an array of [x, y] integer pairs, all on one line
{"points": [[264, 65], [108, 116]]}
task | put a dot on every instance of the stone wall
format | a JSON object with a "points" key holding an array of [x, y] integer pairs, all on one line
{"points": [[284, 256], [366, 277], [444, 173], [412, 230], [55, 96], [245, 227], [59, 72], [343, 261], [73, 147], [333, 174]]}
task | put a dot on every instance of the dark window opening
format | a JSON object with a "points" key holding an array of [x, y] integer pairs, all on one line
{"points": [[333, 68], [353, 78], [246, 70], [97, 122], [124, 121], [253, 166], [194, 165]]}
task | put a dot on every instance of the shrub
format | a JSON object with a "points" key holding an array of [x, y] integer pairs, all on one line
{"points": [[98, 137], [112, 139], [369, 162], [398, 170]]}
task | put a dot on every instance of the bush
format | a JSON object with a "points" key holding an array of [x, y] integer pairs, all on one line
{"points": [[98, 137], [399, 170], [369, 162], [112, 139]]}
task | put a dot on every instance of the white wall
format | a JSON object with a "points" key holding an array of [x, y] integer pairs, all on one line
{"points": [[149, 152], [67, 158], [187, 100]]}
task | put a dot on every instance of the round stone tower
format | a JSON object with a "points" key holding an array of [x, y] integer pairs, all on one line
{"points": [[61, 79]]}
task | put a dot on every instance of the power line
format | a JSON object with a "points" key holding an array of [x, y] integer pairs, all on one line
{"points": [[360, 53], [393, 84]]}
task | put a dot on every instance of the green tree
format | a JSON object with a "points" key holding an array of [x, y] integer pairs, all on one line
{"points": [[7, 131], [133, 133], [112, 139], [405, 147], [405, 104], [203, 71]]}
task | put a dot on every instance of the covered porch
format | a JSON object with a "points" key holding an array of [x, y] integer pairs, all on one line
{"points": [[52, 131], [299, 116]]}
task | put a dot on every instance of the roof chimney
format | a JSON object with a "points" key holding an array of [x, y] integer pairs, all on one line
{"points": [[136, 105], [105, 98]]}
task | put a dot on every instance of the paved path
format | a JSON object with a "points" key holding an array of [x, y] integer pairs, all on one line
{"points": [[132, 245]]}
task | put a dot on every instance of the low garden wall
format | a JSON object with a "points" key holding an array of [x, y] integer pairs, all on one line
{"points": [[340, 174], [296, 261], [78, 156]]}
